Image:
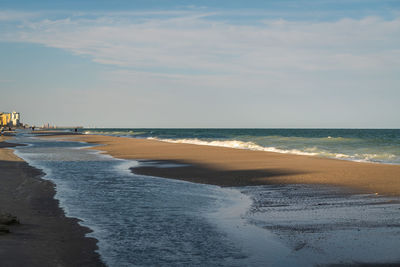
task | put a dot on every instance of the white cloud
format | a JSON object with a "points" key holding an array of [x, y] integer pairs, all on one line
{"points": [[169, 59], [193, 42]]}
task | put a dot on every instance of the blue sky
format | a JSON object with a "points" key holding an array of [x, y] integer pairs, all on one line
{"points": [[202, 63]]}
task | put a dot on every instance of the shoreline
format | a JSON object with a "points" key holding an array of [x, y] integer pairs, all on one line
{"points": [[268, 150], [239, 167], [168, 167], [44, 235]]}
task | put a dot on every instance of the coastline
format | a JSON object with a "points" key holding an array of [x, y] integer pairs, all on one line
{"points": [[238, 167], [300, 237], [45, 236]]}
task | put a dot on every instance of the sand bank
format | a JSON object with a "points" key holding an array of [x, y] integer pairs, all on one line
{"points": [[44, 237], [236, 167]]}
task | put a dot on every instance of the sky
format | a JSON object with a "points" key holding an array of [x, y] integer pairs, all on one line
{"points": [[186, 63]]}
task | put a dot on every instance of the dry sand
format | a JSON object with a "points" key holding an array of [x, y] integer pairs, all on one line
{"points": [[236, 167], [44, 237]]}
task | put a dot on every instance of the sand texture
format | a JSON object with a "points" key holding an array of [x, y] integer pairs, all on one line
{"points": [[41, 234], [237, 167]]}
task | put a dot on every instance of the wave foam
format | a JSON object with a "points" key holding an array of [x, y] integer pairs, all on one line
{"points": [[235, 144], [311, 151]]}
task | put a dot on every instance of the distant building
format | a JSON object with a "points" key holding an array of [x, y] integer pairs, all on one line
{"points": [[15, 119], [10, 119], [48, 126], [5, 119]]}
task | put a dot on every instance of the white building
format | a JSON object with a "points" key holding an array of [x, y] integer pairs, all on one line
{"points": [[15, 119]]}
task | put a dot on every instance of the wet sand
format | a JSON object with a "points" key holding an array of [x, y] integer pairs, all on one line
{"points": [[237, 167], [44, 236]]}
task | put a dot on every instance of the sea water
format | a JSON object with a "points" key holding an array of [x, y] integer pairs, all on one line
{"points": [[149, 221], [141, 220], [370, 145]]}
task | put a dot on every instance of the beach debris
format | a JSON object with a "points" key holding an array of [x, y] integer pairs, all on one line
{"points": [[8, 219], [4, 230], [300, 246], [5, 220]]}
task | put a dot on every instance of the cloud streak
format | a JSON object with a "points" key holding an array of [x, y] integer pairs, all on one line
{"points": [[170, 58], [197, 44]]}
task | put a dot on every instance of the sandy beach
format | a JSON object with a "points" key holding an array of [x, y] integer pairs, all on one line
{"points": [[308, 220], [43, 236], [237, 167]]}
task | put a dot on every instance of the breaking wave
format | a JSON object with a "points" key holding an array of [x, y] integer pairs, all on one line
{"points": [[363, 145], [307, 151], [234, 144]]}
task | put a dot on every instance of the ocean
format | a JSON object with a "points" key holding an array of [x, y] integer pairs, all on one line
{"points": [[368, 145], [150, 221]]}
